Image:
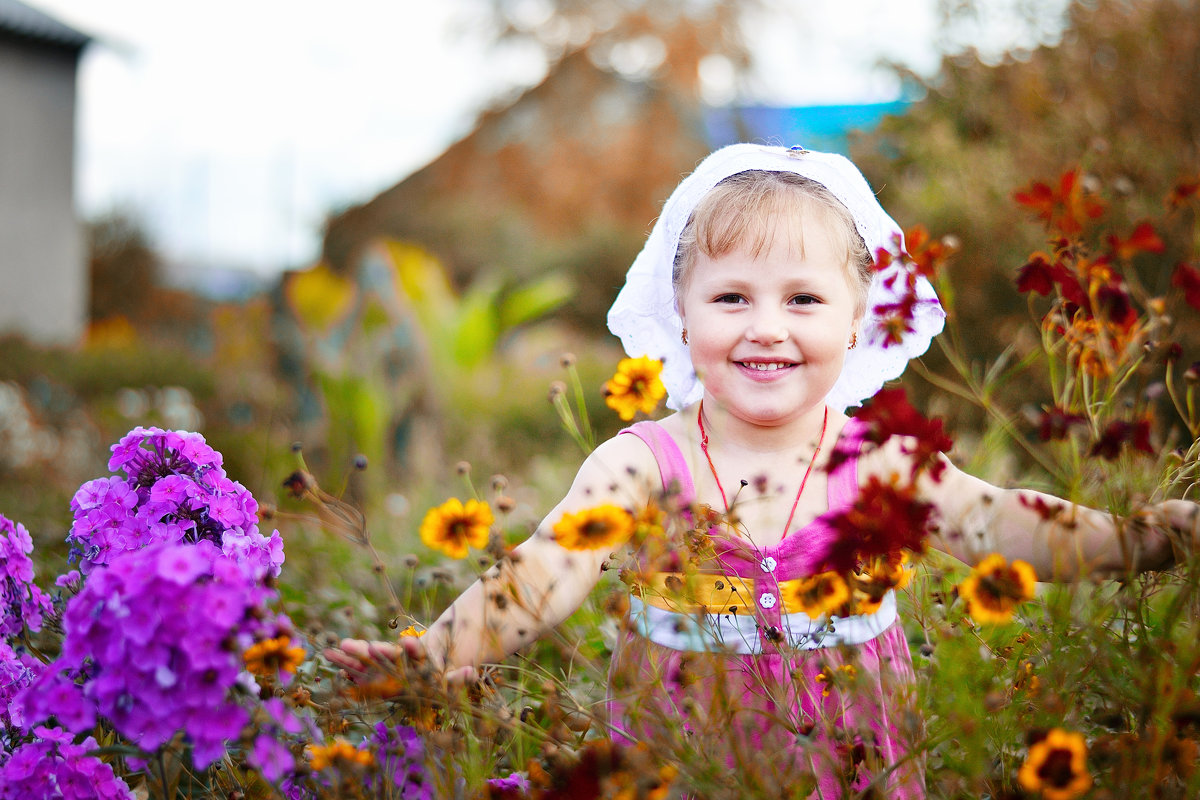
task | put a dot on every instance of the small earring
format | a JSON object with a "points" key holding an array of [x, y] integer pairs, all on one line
{"points": [[683, 336], [853, 340]]}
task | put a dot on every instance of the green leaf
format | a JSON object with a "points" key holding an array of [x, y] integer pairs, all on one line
{"points": [[534, 300]]}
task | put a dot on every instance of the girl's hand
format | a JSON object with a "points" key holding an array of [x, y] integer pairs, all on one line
{"points": [[361, 659]]}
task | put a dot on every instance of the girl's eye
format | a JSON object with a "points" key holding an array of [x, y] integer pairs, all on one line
{"points": [[728, 298], [804, 300]]}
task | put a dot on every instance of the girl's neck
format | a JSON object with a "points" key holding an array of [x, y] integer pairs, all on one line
{"points": [[734, 435]]}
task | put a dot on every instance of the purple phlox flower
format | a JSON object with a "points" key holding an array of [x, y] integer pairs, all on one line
{"points": [[22, 603], [515, 782], [182, 565], [170, 490], [52, 766], [401, 757], [175, 489], [157, 632], [54, 693], [18, 670], [70, 581], [271, 752]]}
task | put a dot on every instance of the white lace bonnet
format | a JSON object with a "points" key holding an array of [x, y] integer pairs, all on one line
{"points": [[644, 314]]}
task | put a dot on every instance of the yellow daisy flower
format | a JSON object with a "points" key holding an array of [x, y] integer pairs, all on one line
{"points": [[1057, 766], [272, 657], [995, 588], [818, 595], [635, 387], [603, 526], [880, 575], [453, 526]]}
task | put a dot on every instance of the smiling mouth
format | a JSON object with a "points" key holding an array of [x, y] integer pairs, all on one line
{"points": [[765, 366]]}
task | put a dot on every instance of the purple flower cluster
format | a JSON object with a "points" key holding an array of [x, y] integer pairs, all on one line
{"points": [[153, 642], [17, 670], [401, 757], [22, 603], [174, 490], [52, 766]]}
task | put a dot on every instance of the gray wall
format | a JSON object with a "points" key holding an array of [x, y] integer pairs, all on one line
{"points": [[43, 275]]}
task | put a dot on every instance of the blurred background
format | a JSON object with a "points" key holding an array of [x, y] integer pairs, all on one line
{"points": [[374, 229]]}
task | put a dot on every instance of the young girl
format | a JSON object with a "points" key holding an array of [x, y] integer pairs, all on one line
{"points": [[758, 291]]}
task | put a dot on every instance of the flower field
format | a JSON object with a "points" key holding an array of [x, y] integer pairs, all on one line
{"points": [[174, 648]]}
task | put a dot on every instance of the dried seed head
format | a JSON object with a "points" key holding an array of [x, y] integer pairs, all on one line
{"points": [[505, 504], [360, 462], [411, 561], [567, 361], [299, 483], [499, 483], [463, 467], [297, 447], [557, 389]]}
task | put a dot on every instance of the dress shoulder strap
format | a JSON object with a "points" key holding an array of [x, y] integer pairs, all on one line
{"points": [[676, 477], [843, 480]]}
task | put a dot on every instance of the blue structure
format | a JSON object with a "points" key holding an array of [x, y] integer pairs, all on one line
{"points": [[816, 127]]}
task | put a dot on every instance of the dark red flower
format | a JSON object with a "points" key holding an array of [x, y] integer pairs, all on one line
{"points": [[1116, 305], [1119, 433], [896, 319], [1038, 275], [890, 414], [1183, 191], [1142, 240], [1056, 423], [1187, 277], [885, 520], [1044, 510]]}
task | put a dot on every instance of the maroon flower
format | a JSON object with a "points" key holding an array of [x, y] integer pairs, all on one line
{"points": [[1187, 277], [1056, 423], [1119, 433], [890, 414], [885, 520]]}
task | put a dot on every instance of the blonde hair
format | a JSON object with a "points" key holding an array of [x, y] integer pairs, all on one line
{"points": [[743, 210]]}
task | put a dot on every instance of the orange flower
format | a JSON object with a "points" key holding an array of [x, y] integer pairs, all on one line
{"points": [[1065, 209], [603, 526], [1057, 766], [995, 588], [636, 387], [338, 754], [272, 657], [452, 527], [412, 630]]}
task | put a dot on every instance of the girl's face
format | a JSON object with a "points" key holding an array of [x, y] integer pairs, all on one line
{"points": [[768, 335]]}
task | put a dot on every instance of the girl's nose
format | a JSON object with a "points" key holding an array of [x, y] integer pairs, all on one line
{"points": [[767, 327]]}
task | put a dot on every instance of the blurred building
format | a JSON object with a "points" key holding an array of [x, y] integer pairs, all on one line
{"points": [[43, 270]]}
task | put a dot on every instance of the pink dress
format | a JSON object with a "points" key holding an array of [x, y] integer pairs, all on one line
{"points": [[761, 693]]}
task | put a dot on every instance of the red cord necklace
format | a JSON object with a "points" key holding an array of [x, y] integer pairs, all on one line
{"points": [[803, 482]]}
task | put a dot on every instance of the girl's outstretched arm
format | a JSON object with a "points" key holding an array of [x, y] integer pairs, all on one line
{"points": [[1062, 541], [530, 592]]}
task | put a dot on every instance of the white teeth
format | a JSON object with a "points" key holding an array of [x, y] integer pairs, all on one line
{"points": [[763, 367]]}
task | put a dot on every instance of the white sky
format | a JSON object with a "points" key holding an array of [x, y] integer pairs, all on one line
{"points": [[231, 127]]}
